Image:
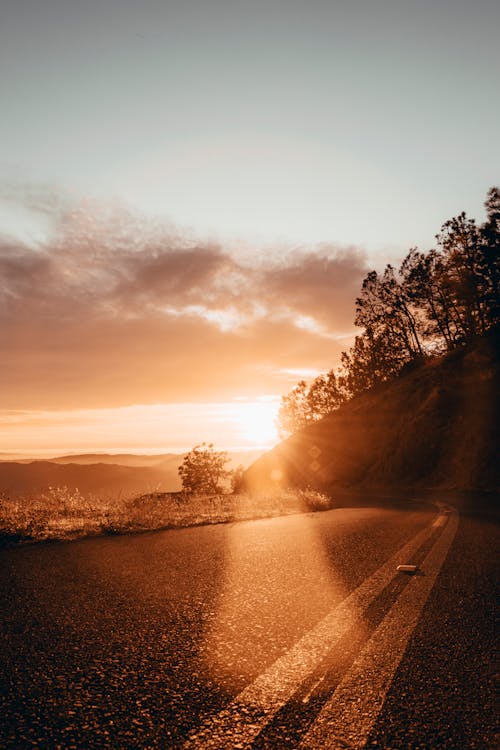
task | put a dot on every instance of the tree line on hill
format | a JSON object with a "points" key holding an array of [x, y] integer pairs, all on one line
{"points": [[434, 302]]}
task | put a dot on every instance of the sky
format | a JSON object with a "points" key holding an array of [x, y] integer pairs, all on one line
{"points": [[192, 192]]}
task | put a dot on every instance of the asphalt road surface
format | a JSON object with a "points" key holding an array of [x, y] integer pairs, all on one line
{"points": [[295, 632]]}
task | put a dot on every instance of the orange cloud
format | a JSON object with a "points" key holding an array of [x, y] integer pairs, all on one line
{"points": [[112, 311]]}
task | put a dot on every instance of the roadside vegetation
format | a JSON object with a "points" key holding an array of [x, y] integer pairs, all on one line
{"points": [[61, 513]]}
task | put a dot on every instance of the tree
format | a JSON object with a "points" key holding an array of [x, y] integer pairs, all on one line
{"points": [[238, 479], [424, 281], [463, 281], [369, 361], [305, 405], [294, 414], [490, 256], [203, 470], [385, 311]]}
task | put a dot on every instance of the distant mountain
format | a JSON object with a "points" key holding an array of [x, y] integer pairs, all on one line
{"points": [[122, 459], [98, 478], [101, 474], [163, 460], [436, 425]]}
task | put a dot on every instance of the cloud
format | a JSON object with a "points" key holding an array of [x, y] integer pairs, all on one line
{"points": [[112, 310], [320, 284]]}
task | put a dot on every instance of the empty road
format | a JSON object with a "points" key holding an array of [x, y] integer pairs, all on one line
{"points": [[294, 632]]}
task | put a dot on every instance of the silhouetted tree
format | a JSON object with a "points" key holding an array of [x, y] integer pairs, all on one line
{"points": [[423, 281], [293, 413], [304, 405], [385, 311], [238, 479], [370, 360], [490, 256], [203, 470], [325, 394], [463, 281]]}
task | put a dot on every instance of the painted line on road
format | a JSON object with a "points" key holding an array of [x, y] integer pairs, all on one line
{"points": [[247, 715], [307, 697], [440, 521], [348, 717]]}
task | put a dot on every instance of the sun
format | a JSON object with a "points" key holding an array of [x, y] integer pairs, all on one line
{"points": [[257, 422]]}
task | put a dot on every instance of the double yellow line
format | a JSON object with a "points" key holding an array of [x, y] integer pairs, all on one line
{"points": [[349, 714]]}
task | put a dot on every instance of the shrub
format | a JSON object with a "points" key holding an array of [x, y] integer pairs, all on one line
{"points": [[203, 470]]}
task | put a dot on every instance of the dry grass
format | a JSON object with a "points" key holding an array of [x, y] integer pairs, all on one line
{"points": [[60, 513]]}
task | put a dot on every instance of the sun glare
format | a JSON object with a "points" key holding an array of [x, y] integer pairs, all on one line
{"points": [[245, 424], [257, 422]]}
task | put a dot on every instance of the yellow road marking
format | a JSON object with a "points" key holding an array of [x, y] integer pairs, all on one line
{"points": [[247, 715], [348, 717]]}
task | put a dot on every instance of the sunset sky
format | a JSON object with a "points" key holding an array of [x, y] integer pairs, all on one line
{"points": [[191, 193]]}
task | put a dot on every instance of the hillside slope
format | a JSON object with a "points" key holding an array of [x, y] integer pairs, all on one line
{"points": [[437, 425]]}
